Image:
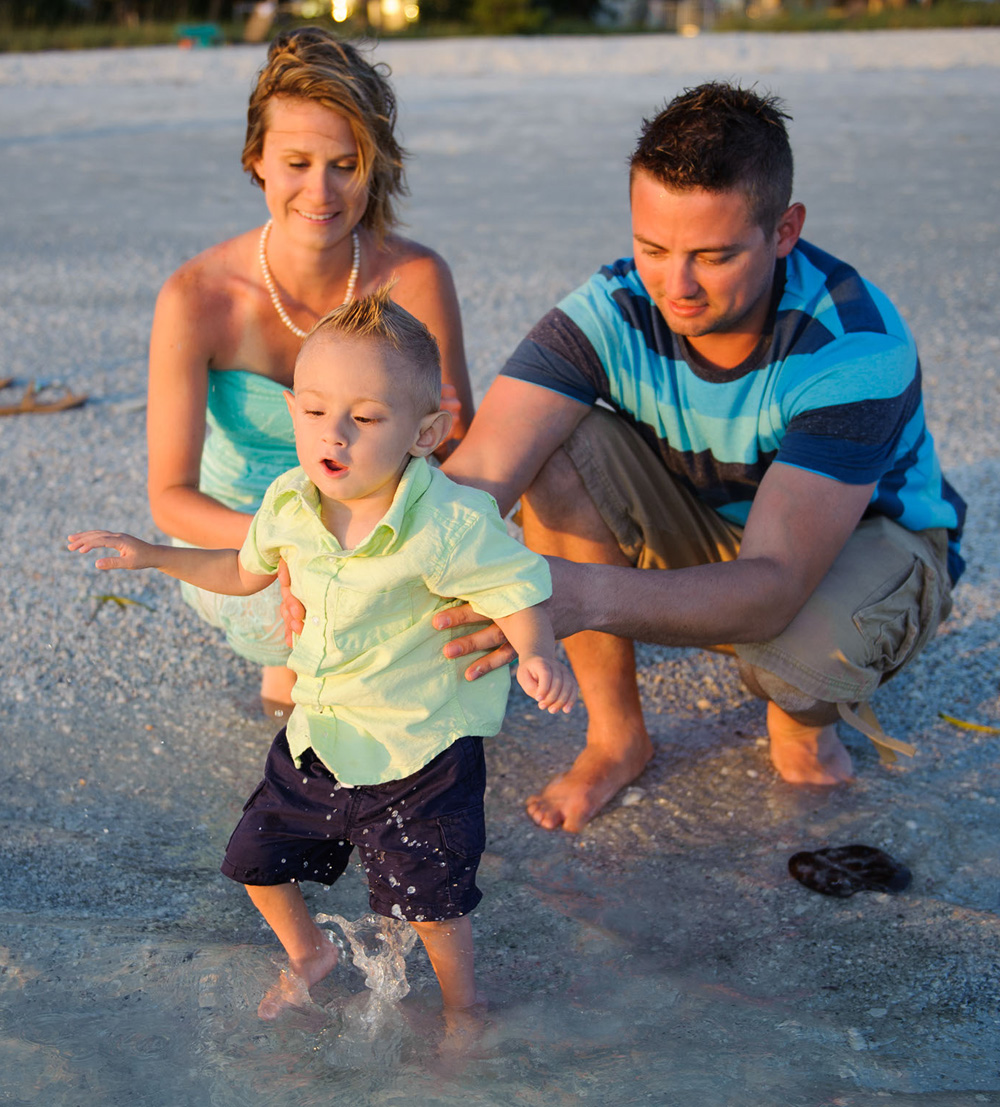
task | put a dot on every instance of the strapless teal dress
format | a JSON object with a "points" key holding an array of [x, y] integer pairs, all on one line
{"points": [[249, 443]]}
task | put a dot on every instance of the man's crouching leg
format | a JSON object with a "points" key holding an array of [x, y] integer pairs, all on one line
{"points": [[560, 519], [871, 615], [805, 747]]}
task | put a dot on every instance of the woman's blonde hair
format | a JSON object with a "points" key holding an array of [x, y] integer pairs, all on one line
{"points": [[309, 63]]}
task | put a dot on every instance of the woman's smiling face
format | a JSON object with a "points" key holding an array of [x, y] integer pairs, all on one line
{"points": [[309, 166]]}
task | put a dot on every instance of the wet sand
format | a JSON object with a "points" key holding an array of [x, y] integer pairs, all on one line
{"points": [[664, 956]]}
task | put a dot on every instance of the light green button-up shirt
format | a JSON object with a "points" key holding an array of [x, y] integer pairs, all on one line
{"points": [[375, 697]]}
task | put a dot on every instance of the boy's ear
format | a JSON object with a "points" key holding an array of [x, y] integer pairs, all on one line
{"points": [[290, 400], [433, 431]]}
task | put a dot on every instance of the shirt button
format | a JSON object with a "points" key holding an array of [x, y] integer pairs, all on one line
{"points": [[315, 620]]}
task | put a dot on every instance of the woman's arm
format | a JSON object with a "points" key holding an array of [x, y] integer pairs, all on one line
{"points": [[189, 314], [424, 286]]}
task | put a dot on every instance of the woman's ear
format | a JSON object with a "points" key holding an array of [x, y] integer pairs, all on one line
{"points": [[433, 431]]}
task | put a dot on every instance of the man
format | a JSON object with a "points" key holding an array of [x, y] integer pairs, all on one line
{"points": [[744, 410]]}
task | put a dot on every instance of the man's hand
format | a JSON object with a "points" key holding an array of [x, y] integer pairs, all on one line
{"points": [[488, 637], [565, 608], [292, 610]]}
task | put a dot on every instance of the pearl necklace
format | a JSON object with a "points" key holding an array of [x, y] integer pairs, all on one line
{"points": [[279, 307]]}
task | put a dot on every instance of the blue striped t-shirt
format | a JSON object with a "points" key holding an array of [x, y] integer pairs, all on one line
{"points": [[834, 388]]}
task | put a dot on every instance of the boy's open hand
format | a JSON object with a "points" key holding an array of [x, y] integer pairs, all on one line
{"points": [[551, 683], [133, 553]]}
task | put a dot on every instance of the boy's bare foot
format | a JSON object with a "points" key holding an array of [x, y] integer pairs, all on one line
{"points": [[806, 754], [276, 683], [571, 799], [292, 987], [463, 1028]]}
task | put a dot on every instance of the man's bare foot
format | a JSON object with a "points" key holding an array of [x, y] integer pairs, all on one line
{"points": [[806, 754], [276, 683], [571, 799], [292, 988]]}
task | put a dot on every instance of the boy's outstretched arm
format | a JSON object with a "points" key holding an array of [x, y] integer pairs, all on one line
{"points": [[213, 570], [539, 672]]}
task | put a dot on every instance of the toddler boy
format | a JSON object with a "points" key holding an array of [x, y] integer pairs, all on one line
{"points": [[383, 750]]}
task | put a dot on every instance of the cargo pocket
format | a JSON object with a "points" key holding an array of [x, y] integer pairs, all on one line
{"points": [[464, 837], [895, 625]]}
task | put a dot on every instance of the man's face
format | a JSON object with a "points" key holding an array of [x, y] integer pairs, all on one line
{"points": [[707, 265]]}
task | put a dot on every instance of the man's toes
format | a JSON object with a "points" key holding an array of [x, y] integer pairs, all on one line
{"points": [[573, 823], [543, 813]]}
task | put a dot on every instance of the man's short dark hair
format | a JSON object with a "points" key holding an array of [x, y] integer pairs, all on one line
{"points": [[720, 137]]}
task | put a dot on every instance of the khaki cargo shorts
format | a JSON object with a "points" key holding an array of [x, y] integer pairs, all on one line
{"points": [[881, 601]]}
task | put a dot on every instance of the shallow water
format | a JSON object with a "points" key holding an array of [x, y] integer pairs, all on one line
{"points": [[136, 1015], [173, 1026]]}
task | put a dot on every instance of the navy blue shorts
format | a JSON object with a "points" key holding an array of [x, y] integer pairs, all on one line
{"points": [[419, 839]]}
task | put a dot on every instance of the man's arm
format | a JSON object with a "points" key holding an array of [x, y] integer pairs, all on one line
{"points": [[515, 431], [797, 526]]}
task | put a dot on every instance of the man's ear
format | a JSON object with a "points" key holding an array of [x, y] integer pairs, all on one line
{"points": [[433, 431], [789, 228]]}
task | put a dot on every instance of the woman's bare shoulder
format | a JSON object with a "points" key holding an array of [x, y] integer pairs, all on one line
{"points": [[404, 254], [215, 277], [210, 303], [421, 277]]}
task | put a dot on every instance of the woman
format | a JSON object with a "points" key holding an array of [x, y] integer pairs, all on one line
{"points": [[228, 323]]}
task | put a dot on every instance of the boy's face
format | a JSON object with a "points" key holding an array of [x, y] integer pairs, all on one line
{"points": [[357, 422]]}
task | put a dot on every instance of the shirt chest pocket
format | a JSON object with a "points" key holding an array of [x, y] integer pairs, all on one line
{"points": [[360, 620]]}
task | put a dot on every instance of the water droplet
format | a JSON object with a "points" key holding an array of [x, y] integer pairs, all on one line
{"points": [[410, 890]]}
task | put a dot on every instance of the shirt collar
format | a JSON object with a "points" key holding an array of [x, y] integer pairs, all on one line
{"points": [[412, 485], [299, 493]]}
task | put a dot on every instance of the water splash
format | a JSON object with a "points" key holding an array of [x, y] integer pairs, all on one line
{"points": [[373, 1028], [379, 946]]}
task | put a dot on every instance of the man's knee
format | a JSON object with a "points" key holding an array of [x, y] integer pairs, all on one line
{"points": [[801, 706], [555, 482], [557, 499]]}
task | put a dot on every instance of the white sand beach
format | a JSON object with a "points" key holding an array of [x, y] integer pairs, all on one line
{"points": [[664, 956]]}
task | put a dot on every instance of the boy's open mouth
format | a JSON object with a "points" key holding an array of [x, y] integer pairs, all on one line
{"points": [[332, 466]]}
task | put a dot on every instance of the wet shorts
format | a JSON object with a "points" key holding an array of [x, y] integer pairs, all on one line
{"points": [[419, 839], [874, 611]]}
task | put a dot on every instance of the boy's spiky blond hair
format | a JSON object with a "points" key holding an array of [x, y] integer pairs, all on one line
{"points": [[378, 318]]}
